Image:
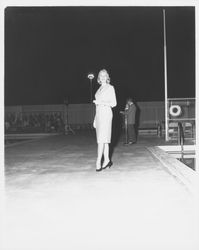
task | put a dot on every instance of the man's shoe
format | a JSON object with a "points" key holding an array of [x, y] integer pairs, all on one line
{"points": [[131, 142]]}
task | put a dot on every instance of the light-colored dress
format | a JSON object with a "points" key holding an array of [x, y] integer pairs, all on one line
{"points": [[103, 118]]}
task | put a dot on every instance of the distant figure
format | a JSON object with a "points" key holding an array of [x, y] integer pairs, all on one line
{"points": [[105, 100], [130, 111]]}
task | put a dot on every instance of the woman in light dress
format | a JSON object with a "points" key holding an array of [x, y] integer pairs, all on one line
{"points": [[105, 100]]}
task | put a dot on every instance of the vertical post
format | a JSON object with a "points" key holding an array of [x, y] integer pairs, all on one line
{"points": [[66, 116], [126, 129], [90, 77], [165, 78], [91, 94], [65, 119]]}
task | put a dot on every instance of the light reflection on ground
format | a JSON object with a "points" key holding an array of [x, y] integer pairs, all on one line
{"points": [[55, 199]]}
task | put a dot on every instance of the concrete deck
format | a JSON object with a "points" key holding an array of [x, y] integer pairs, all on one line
{"points": [[56, 200]]}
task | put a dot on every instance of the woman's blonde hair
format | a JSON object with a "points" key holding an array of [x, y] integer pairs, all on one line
{"points": [[107, 74]]}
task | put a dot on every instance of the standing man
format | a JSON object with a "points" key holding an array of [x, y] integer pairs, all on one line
{"points": [[130, 111]]}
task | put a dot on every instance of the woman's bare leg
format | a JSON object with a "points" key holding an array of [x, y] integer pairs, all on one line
{"points": [[106, 154], [100, 150]]}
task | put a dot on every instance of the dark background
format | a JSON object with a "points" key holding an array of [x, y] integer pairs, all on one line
{"points": [[49, 52]]}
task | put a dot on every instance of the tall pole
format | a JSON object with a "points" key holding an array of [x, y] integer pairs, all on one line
{"points": [[165, 78], [91, 100], [90, 77], [91, 91]]}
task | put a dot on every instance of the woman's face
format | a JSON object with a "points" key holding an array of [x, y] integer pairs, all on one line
{"points": [[103, 77]]}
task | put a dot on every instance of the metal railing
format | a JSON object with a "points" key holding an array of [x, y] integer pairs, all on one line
{"points": [[181, 136]]}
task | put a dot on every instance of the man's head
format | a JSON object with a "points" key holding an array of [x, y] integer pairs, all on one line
{"points": [[129, 100]]}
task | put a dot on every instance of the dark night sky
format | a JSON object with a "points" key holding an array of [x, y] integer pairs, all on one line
{"points": [[50, 50]]}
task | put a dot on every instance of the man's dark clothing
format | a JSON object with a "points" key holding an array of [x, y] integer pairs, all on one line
{"points": [[131, 133], [130, 116]]}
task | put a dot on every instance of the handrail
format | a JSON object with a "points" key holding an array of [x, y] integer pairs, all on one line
{"points": [[181, 136]]}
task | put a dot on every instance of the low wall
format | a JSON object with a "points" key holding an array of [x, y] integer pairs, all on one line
{"points": [[148, 113]]}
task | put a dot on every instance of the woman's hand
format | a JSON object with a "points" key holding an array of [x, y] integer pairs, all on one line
{"points": [[96, 102], [99, 103]]}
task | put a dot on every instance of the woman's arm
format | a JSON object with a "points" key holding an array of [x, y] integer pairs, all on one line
{"points": [[113, 100], [110, 101], [94, 122]]}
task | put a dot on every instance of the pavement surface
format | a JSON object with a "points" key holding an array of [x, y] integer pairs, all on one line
{"points": [[56, 200]]}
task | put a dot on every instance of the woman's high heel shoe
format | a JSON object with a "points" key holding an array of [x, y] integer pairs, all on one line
{"points": [[108, 165], [98, 167]]}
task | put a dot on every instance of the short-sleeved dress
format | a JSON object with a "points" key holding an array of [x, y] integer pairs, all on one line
{"points": [[104, 114]]}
